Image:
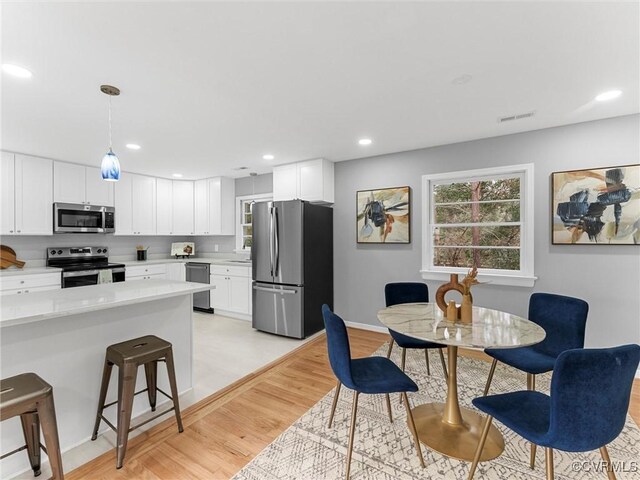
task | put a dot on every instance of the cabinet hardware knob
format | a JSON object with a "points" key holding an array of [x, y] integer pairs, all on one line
{"points": [[19, 231], [21, 281], [10, 231]]}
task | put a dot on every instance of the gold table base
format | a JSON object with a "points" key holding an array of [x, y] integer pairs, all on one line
{"points": [[455, 440]]}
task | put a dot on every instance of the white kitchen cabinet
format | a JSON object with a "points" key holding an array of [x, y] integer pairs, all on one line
{"points": [[135, 202], [285, 182], [164, 206], [182, 208], [220, 294], [33, 195], [29, 283], [312, 180], [176, 272], [201, 207], [143, 191], [238, 298], [7, 194], [233, 289], [124, 206], [146, 272], [222, 206], [97, 191], [80, 184], [214, 201]]}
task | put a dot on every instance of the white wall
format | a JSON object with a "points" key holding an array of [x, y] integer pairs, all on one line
{"points": [[608, 277]]}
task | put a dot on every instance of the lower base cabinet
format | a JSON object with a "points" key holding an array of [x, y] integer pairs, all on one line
{"points": [[233, 289], [29, 283], [145, 272]]}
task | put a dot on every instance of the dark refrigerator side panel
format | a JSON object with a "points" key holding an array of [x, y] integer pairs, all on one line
{"points": [[318, 265]]}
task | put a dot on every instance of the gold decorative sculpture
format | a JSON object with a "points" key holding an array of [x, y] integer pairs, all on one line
{"points": [[464, 287], [467, 301]]}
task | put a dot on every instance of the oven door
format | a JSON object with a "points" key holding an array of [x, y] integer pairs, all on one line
{"points": [[83, 278], [74, 218]]}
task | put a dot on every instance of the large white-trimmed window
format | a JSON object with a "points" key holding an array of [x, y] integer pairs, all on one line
{"points": [[480, 218], [244, 229]]}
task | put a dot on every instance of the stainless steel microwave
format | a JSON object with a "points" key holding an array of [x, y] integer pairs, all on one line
{"points": [[78, 218]]}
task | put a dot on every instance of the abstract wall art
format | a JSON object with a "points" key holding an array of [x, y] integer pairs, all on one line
{"points": [[384, 215], [596, 206]]}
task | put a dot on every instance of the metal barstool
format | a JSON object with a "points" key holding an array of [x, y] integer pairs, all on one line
{"points": [[128, 356], [31, 397]]}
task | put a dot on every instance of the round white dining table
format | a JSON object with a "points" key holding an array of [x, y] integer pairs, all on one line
{"points": [[446, 427]]}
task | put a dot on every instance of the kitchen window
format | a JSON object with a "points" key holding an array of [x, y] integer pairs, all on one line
{"points": [[244, 233], [480, 218]]}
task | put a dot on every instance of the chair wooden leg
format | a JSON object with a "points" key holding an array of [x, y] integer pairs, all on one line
{"points": [[607, 461], [126, 389], [404, 359], [47, 416], [390, 347], [531, 385], [386, 396], [548, 457], [352, 431], [106, 376], [151, 374], [483, 439], [335, 402], [31, 430], [491, 372], [444, 365], [426, 359], [412, 427], [171, 371]]}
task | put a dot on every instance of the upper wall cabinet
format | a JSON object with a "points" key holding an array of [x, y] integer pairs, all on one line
{"points": [[174, 207], [182, 206], [79, 184], [27, 195], [214, 201], [311, 180], [135, 202]]}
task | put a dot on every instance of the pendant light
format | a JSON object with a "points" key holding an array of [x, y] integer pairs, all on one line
{"points": [[110, 167]]}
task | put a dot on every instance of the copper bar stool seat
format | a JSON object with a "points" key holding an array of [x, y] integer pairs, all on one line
{"points": [[30, 397], [128, 356]]}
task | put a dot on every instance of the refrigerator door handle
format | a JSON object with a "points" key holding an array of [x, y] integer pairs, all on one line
{"points": [[274, 290], [277, 242], [271, 239]]}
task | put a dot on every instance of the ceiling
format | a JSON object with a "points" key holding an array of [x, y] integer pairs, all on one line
{"points": [[208, 87]]}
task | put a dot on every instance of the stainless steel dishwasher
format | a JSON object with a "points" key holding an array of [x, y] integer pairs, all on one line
{"points": [[199, 273]]}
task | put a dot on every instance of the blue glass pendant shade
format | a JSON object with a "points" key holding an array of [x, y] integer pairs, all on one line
{"points": [[110, 167]]}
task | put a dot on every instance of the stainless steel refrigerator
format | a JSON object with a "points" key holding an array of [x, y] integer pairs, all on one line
{"points": [[292, 256]]}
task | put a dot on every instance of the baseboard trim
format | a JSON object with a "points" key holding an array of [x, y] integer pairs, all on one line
{"points": [[365, 326]]}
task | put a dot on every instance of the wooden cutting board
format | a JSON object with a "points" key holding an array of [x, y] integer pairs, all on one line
{"points": [[8, 258]]}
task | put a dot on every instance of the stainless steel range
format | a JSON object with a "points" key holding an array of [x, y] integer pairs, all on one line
{"points": [[84, 265]]}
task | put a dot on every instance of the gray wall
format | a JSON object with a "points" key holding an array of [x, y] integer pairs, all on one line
{"points": [[608, 277]]}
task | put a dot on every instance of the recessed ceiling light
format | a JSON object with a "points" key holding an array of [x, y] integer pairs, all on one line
{"points": [[365, 141], [462, 79], [16, 70], [268, 156], [609, 95], [133, 146], [177, 175]]}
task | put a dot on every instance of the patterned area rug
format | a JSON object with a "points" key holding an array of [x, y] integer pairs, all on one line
{"points": [[383, 450]]}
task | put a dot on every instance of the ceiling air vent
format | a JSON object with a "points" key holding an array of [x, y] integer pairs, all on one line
{"points": [[519, 116]]}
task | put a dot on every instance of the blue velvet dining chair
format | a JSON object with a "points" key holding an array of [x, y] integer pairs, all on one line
{"points": [[374, 375], [410, 292], [586, 410], [564, 321]]}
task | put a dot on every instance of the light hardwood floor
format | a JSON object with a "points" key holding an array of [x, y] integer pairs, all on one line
{"points": [[222, 433]]}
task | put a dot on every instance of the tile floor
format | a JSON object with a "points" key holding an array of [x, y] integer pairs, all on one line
{"points": [[225, 350]]}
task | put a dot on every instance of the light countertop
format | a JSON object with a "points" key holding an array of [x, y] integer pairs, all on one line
{"points": [[11, 271], [70, 301], [213, 261]]}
